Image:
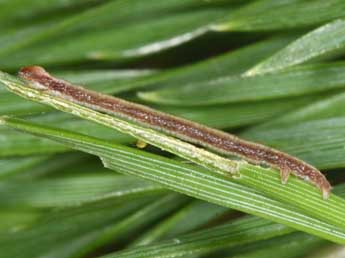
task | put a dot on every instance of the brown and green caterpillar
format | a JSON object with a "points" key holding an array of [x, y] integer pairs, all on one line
{"points": [[215, 140]]}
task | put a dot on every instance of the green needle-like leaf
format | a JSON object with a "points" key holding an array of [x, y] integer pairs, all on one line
{"points": [[223, 65], [299, 81], [324, 41], [69, 233], [12, 220], [214, 187], [89, 37], [279, 15], [9, 15], [73, 191], [229, 235], [197, 214], [331, 107], [239, 114], [287, 246], [16, 144], [10, 167]]}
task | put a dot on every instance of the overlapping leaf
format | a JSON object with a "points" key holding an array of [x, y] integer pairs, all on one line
{"points": [[215, 187], [293, 82]]}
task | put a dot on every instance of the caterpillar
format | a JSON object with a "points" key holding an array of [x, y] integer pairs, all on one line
{"points": [[215, 140]]}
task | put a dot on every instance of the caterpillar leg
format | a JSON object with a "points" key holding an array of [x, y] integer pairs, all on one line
{"points": [[284, 174], [141, 144]]}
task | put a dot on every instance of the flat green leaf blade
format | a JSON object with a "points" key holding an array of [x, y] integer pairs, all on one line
{"points": [[214, 67], [13, 166], [17, 144], [10, 16], [71, 232], [94, 18], [115, 35], [239, 114], [10, 104], [189, 218], [265, 15], [214, 187], [17, 219], [142, 218], [330, 107], [293, 245], [263, 179], [73, 191], [233, 234], [322, 42], [299, 81]]}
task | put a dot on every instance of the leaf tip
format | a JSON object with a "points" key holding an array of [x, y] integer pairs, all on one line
{"points": [[105, 162]]}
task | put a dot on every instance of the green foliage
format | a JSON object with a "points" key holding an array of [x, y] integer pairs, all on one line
{"points": [[269, 71], [292, 82]]}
